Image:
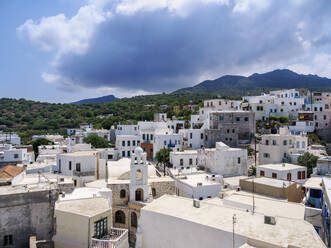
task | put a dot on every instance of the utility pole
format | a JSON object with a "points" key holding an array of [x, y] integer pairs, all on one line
{"points": [[234, 221]]}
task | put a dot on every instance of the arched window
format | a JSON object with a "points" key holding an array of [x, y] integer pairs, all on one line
{"points": [[139, 195], [139, 175], [120, 217], [153, 192], [134, 219], [122, 193]]}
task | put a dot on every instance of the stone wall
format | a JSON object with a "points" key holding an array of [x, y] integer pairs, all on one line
{"points": [[25, 214], [163, 187]]}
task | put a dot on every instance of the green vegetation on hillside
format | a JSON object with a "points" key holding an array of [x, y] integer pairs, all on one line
{"points": [[96, 141], [30, 117]]}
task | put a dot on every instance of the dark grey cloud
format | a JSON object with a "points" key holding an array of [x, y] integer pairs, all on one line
{"points": [[162, 51]]}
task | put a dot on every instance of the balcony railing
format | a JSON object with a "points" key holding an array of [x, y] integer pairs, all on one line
{"points": [[114, 239]]}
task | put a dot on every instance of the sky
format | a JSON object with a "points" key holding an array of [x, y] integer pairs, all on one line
{"points": [[63, 51]]}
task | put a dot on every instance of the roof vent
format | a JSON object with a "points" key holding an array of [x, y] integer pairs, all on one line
{"points": [[196, 203], [269, 220]]}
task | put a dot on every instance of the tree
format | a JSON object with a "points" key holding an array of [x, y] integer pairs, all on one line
{"points": [[308, 160], [39, 142], [96, 141], [163, 156]]}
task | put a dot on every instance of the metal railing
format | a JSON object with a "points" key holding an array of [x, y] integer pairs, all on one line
{"points": [[114, 239]]}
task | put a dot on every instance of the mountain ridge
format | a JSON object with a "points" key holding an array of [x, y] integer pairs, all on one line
{"points": [[236, 85], [102, 99]]}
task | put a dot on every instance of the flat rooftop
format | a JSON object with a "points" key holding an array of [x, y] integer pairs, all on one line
{"points": [[281, 166], [83, 193], [270, 182], [263, 205], [283, 234], [186, 152], [86, 207], [313, 183], [80, 153], [19, 189], [194, 179]]}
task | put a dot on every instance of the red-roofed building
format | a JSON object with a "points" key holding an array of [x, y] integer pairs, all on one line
{"points": [[10, 173]]}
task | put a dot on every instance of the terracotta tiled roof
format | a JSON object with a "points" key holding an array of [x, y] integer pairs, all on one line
{"points": [[10, 171]]}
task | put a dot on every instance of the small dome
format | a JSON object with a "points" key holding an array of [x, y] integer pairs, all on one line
{"points": [[138, 150]]}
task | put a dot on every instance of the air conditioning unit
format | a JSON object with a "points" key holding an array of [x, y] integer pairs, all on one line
{"points": [[196, 203], [270, 220]]}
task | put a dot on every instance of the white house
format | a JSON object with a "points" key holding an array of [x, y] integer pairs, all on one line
{"points": [[193, 138], [183, 160], [10, 155], [10, 138], [198, 185], [83, 166], [127, 130], [164, 140], [283, 171], [282, 147], [110, 154], [126, 144], [223, 160]]}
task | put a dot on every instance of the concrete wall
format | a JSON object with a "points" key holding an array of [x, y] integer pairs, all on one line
{"points": [[26, 214]]}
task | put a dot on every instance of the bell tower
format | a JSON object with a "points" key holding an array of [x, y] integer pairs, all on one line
{"points": [[139, 190]]}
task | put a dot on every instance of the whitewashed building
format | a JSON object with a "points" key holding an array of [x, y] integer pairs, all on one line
{"points": [[183, 160], [282, 147], [13, 156], [223, 160], [126, 144], [83, 166], [167, 140], [283, 171], [193, 138], [10, 138]]}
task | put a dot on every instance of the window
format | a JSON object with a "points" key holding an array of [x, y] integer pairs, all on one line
{"points": [[303, 144], [266, 142], [120, 217], [153, 192], [298, 144], [315, 108], [165, 142], [274, 175], [100, 228], [228, 131], [285, 142], [123, 153], [123, 143], [299, 174], [274, 142], [15, 155], [69, 165], [129, 143], [238, 160], [78, 167], [303, 175], [262, 173], [129, 154], [233, 130], [110, 156], [266, 155], [8, 240], [143, 136], [122, 193], [281, 110], [289, 176], [133, 142], [237, 118], [201, 136], [246, 118], [324, 117], [134, 220], [181, 161], [151, 136], [190, 161], [221, 118]]}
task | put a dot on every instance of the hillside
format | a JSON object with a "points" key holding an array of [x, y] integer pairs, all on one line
{"points": [[102, 99], [230, 85], [31, 117]]}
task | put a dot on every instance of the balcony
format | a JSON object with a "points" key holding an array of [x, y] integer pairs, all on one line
{"points": [[115, 238]]}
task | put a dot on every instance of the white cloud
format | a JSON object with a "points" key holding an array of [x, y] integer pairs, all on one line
{"points": [[50, 78], [249, 6], [66, 35]]}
